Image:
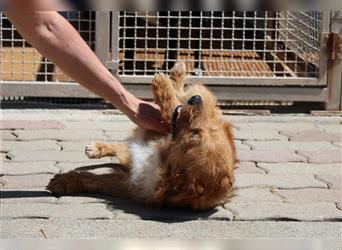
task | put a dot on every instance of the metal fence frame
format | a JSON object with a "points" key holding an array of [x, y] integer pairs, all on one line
{"points": [[326, 89]]}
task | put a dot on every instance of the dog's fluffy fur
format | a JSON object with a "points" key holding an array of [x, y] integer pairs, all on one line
{"points": [[192, 167]]}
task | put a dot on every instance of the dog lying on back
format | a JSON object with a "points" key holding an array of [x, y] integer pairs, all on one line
{"points": [[192, 166]]}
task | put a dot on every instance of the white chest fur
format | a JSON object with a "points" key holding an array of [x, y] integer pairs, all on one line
{"points": [[145, 166]]}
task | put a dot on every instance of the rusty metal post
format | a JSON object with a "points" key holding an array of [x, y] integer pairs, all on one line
{"points": [[335, 63]]}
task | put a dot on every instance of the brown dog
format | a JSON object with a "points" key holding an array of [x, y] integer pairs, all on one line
{"points": [[192, 166]]}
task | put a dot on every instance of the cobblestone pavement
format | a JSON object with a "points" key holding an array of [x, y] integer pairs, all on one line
{"points": [[288, 181]]}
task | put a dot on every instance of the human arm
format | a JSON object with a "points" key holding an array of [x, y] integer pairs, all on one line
{"points": [[57, 40]]}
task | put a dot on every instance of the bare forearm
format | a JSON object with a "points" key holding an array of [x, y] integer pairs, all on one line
{"points": [[57, 40]]}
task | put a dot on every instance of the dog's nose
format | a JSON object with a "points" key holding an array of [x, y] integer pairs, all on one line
{"points": [[195, 100]]}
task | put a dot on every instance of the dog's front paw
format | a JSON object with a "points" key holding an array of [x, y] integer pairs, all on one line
{"points": [[64, 184], [158, 81], [93, 150]]}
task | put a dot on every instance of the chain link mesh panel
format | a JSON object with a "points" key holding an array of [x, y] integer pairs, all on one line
{"points": [[21, 62], [223, 44]]}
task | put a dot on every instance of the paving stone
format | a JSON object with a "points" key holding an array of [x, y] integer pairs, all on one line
{"points": [[117, 135], [278, 180], [59, 156], [334, 181], [23, 124], [25, 181], [269, 156], [302, 118], [269, 135], [335, 128], [240, 145], [2, 157], [254, 194], [319, 211], [86, 166], [296, 126], [20, 196], [248, 168], [322, 156], [309, 195], [46, 210], [78, 145], [74, 145], [188, 229], [60, 134], [101, 125], [7, 135], [83, 199], [290, 145], [30, 145], [25, 168], [61, 115], [301, 168], [312, 135]]}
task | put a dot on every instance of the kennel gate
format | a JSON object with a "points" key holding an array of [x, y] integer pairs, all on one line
{"points": [[247, 56]]}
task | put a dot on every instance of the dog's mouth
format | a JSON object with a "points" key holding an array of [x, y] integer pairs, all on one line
{"points": [[175, 118]]}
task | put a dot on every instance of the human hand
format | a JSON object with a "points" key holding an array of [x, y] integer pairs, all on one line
{"points": [[146, 115]]}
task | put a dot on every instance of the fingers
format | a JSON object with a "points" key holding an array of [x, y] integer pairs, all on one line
{"points": [[150, 118]]}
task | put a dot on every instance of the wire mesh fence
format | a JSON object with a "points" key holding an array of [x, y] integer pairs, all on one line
{"points": [[223, 44], [21, 62]]}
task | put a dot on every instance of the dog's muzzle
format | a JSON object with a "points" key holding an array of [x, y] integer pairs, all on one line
{"points": [[174, 119]]}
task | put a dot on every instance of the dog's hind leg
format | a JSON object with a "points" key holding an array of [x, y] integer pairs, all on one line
{"points": [[164, 95], [73, 182], [97, 150]]}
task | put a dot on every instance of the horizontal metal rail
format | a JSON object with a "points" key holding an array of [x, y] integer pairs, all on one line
{"points": [[295, 94]]}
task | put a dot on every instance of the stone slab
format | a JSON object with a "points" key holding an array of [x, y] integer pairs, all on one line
{"points": [[319, 211], [311, 195], [248, 168], [24, 124], [322, 156], [192, 229], [254, 195], [23, 196], [7, 135], [26, 168], [58, 156], [286, 181], [266, 135], [46, 210], [333, 181], [270, 155], [30, 145], [312, 135], [101, 125], [25, 181], [86, 166], [60, 134], [301, 168], [278, 126], [290, 145]]}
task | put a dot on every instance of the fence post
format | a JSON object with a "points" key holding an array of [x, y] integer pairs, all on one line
{"points": [[102, 35], [335, 63]]}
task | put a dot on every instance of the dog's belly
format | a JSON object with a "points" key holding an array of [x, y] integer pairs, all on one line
{"points": [[144, 167]]}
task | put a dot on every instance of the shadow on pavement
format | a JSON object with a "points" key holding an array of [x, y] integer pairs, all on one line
{"points": [[11, 194], [122, 208]]}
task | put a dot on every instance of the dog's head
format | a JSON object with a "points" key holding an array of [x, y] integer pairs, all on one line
{"points": [[201, 156]]}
